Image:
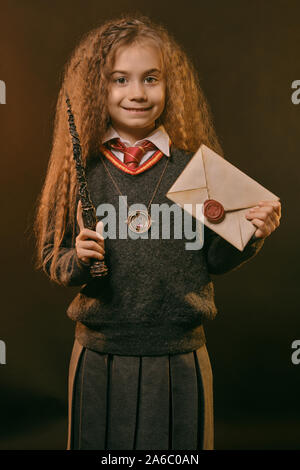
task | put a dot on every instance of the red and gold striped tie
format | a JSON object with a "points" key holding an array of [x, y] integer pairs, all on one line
{"points": [[132, 155]]}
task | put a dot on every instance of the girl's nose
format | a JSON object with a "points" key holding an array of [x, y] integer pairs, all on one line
{"points": [[137, 91]]}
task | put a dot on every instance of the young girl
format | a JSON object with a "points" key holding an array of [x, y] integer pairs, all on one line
{"points": [[140, 375]]}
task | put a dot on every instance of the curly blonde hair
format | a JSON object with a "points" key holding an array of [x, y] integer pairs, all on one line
{"points": [[186, 118]]}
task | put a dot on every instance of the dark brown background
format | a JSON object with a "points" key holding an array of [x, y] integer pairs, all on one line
{"points": [[247, 56]]}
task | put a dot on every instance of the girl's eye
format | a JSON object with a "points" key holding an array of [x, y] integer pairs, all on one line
{"points": [[151, 79], [123, 80], [120, 80]]}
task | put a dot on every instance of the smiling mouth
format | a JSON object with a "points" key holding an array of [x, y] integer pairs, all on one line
{"points": [[137, 109]]}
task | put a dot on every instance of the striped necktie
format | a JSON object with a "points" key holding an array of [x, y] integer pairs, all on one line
{"points": [[132, 155]]}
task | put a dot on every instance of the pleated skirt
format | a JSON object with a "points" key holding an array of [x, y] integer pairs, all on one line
{"points": [[140, 402]]}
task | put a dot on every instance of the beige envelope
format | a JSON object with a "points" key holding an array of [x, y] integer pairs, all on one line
{"points": [[209, 176]]}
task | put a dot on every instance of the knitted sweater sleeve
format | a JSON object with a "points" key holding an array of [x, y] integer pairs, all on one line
{"points": [[70, 270], [222, 257]]}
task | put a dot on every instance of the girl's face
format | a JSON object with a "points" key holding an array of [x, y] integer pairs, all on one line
{"points": [[136, 90]]}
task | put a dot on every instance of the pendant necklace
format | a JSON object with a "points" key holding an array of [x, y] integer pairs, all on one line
{"points": [[138, 221]]}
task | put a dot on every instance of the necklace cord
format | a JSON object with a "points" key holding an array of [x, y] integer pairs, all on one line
{"points": [[117, 187]]}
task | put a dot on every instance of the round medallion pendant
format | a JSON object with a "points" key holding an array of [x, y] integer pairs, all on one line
{"points": [[213, 211], [139, 221]]}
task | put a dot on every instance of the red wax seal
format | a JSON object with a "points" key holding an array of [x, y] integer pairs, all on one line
{"points": [[213, 211]]}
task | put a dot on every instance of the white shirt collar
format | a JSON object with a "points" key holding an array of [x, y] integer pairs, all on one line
{"points": [[158, 137]]}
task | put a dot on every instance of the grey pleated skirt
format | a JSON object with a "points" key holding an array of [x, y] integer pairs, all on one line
{"points": [[140, 402]]}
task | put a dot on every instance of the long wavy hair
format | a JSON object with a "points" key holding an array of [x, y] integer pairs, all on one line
{"points": [[186, 118]]}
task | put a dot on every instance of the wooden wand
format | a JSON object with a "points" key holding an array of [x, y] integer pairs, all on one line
{"points": [[98, 268]]}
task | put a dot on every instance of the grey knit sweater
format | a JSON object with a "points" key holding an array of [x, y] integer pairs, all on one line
{"points": [[157, 293]]}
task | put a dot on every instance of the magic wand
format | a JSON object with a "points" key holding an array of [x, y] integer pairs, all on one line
{"points": [[98, 268]]}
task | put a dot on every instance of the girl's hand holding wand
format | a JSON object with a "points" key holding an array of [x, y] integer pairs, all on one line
{"points": [[266, 216], [89, 243]]}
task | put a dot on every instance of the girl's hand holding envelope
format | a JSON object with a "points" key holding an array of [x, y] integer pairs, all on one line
{"points": [[266, 216], [234, 206]]}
